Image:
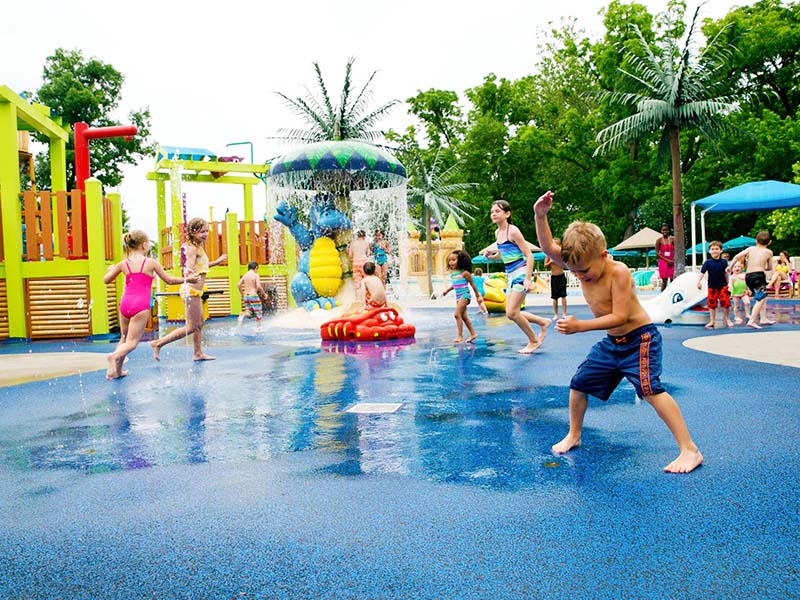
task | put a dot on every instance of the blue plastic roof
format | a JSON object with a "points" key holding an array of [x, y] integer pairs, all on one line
{"points": [[758, 195], [183, 153]]}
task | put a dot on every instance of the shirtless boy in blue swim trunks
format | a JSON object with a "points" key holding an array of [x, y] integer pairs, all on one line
{"points": [[632, 348]]}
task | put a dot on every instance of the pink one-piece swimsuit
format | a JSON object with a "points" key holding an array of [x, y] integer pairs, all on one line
{"points": [[136, 296]]}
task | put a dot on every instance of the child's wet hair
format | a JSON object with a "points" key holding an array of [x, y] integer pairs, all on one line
{"points": [[134, 239], [463, 260], [252, 265], [715, 243], [195, 225], [763, 238], [582, 242], [369, 268], [478, 271]]}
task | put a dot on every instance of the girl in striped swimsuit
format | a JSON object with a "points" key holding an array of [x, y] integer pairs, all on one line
{"points": [[518, 260], [460, 265]]}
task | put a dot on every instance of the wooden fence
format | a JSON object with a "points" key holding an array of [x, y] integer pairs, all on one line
{"points": [[253, 243], [52, 226]]}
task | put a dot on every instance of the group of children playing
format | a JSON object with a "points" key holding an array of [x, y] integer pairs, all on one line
{"points": [[730, 288], [631, 349]]}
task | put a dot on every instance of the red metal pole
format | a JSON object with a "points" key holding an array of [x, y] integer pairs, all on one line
{"points": [[84, 133]]}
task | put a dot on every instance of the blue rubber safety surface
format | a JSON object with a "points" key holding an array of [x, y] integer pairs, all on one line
{"points": [[245, 478]]}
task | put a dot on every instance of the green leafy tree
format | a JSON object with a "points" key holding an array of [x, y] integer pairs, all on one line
{"points": [[678, 92], [440, 113], [350, 119], [434, 188], [88, 90], [766, 67]]}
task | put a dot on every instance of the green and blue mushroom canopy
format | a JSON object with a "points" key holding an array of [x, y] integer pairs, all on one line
{"points": [[350, 164]]}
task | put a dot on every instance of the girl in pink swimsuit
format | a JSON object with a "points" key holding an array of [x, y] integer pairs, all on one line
{"points": [[134, 307]]}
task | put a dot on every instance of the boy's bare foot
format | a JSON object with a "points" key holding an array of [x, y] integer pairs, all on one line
{"points": [[753, 325], [458, 340], [766, 322], [567, 444], [738, 320], [200, 357], [156, 350], [530, 348], [472, 338], [687, 461], [709, 326]]}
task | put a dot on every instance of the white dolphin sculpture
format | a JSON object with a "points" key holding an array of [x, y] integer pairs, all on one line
{"points": [[675, 303]]}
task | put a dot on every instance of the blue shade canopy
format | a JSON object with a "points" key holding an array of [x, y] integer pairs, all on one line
{"points": [[758, 195], [698, 249], [739, 243]]}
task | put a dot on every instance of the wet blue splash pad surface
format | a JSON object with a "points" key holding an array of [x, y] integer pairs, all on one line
{"points": [[245, 478]]}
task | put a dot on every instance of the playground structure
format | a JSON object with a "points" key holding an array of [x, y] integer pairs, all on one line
{"points": [[243, 241], [55, 246], [414, 251]]}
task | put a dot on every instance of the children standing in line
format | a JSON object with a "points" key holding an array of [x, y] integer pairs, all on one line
{"points": [[478, 278], [558, 285], [758, 262], [249, 287], [718, 290], [518, 260], [632, 348], [740, 295], [192, 292], [134, 306], [374, 290], [460, 265]]}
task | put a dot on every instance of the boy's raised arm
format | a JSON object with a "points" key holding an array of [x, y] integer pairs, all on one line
{"points": [[543, 233]]}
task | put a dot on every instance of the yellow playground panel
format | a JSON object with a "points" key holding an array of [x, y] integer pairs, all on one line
{"points": [[51, 276], [243, 241]]}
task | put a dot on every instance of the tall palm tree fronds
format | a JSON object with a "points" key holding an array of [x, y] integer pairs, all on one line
{"points": [[677, 92], [350, 119], [435, 191]]}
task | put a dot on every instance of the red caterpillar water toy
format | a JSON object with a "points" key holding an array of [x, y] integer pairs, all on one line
{"points": [[371, 324]]}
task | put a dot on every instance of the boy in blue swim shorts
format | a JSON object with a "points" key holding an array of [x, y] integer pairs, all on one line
{"points": [[632, 348]]}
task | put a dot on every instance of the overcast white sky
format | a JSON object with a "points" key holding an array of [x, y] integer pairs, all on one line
{"points": [[208, 74]]}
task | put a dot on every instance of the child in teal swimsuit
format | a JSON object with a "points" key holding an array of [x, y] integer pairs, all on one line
{"points": [[517, 257], [460, 265]]}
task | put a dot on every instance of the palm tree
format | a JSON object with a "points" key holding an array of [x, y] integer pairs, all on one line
{"points": [[677, 93], [348, 120], [434, 191]]}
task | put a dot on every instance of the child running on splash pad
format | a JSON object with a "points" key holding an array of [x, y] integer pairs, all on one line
{"points": [[460, 265], [251, 290], [134, 306], [632, 348], [759, 258], [197, 263], [518, 260]]}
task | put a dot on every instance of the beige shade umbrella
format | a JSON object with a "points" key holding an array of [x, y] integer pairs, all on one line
{"points": [[533, 247], [644, 238]]}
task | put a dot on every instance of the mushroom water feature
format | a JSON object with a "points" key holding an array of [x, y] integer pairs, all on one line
{"points": [[321, 192]]}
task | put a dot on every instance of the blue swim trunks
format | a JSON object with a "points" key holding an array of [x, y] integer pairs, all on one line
{"points": [[636, 356]]}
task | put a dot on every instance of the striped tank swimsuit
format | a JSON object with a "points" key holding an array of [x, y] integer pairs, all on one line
{"points": [[460, 285]]}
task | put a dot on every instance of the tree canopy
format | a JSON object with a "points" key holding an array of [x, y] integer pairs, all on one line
{"points": [[89, 90]]}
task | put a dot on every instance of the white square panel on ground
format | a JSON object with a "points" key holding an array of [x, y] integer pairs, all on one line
{"points": [[374, 408]]}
